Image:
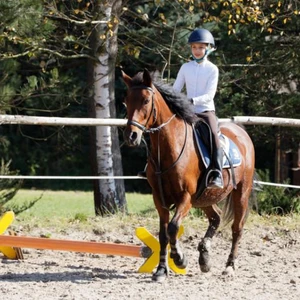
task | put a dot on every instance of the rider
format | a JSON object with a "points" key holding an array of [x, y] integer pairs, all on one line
{"points": [[200, 77]]}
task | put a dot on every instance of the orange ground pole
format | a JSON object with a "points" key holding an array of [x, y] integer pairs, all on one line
{"points": [[68, 245]]}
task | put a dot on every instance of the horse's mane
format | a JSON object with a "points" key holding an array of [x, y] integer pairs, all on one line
{"points": [[177, 102]]}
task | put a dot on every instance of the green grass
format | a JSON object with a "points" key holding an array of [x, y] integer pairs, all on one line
{"points": [[68, 204], [58, 210]]}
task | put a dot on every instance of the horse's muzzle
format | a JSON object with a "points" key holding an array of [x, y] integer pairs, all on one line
{"points": [[132, 138]]}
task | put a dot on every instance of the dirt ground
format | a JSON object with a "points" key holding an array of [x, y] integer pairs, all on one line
{"points": [[268, 268]]}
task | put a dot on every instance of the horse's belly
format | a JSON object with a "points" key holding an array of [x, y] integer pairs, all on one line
{"points": [[210, 197]]}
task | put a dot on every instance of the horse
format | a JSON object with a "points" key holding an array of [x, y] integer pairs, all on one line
{"points": [[175, 167]]}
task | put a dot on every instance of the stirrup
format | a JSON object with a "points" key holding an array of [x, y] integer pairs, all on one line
{"points": [[215, 185], [217, 181]]}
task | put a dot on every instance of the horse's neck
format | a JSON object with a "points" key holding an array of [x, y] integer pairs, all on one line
{"points": [[168, 141], [164, 114]]}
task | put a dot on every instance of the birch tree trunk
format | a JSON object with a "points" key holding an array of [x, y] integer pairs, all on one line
{"points": [[109, 195]]}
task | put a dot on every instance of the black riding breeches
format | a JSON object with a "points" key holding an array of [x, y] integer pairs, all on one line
{"points": [[211, 119]]}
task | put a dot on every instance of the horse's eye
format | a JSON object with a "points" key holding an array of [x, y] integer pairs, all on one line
{"points": [[125, 104], [146, 101]]}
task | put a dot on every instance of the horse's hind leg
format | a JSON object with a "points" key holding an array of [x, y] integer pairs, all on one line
{"points": [[240, 209], [213, 215]]}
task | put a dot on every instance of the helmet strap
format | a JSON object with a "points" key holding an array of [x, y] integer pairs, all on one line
{"points": [[208, 51]]}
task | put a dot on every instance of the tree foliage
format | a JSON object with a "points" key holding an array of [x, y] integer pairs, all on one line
{"points": [[43, 73]]}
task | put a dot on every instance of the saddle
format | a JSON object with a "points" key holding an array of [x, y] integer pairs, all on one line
{"points": [[231, 153], [203, 136]]}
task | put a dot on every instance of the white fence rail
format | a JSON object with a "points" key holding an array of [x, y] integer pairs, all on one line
{"points": [[53, 121], [265, 121]]}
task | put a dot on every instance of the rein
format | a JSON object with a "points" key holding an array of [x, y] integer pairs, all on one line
{"points": [[159, 172]]}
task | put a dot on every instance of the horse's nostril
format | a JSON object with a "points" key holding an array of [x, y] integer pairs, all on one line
{"points": [[130, 137], [133, 136]]}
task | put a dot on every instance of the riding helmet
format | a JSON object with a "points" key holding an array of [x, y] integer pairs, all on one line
{"points": [[201, 36]]}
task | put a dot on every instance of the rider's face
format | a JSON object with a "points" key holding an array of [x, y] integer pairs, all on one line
{"points": [[198, 49]]}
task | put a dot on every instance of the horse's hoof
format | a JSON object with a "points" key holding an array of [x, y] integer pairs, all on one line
{"points": [[180, 263], [205, 268], [204, 262], [228, 272], [160, 275]]}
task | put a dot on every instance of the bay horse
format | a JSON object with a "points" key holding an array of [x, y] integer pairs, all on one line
{"points": [[175, 167]]}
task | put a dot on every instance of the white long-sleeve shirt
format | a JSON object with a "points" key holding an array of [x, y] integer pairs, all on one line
{"points": [[201, 81]]}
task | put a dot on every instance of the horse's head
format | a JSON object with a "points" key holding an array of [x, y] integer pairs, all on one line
{"points": [[140, 106]]}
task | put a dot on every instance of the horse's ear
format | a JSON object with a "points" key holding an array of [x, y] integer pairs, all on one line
{"points": [[147, 78], [127, 79]]}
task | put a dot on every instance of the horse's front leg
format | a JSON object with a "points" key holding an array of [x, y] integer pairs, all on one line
{"points": [[182, 210], [162, 270]]}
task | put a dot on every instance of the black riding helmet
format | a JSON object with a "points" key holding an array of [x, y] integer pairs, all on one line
{"points": [[202, 36]]}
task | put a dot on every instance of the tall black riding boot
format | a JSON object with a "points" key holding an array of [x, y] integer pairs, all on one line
{"points": [[217, 179]]}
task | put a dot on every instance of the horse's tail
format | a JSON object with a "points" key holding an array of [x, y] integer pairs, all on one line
{"points": [[228, 212], [257, 187]]}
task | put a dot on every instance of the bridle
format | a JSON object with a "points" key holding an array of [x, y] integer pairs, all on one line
{"points": [[153, 112]]}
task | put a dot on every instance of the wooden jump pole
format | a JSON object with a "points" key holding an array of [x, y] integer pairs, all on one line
{"points": [[68, 245], [10, 246]]}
